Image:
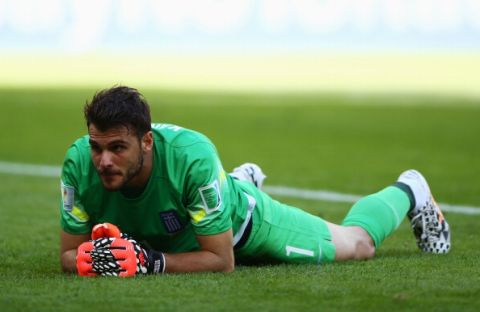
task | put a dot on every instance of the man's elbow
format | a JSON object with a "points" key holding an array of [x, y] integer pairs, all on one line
{"points": [[68, 261], [228, 265], [222, 264]]}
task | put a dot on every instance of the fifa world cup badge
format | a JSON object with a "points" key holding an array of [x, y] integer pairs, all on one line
{"points": [[211, 198], [68, 194]]}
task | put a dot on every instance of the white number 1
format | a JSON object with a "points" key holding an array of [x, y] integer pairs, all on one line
{"points": [[300, 251]]}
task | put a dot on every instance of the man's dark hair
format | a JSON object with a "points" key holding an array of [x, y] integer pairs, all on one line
{"points": [[119, 106]]}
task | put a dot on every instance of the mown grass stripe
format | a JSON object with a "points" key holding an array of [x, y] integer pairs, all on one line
{"points": [[286, 191]]}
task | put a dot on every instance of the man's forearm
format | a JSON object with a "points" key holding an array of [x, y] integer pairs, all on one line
{"points": [[215, 255], [68, 261], [199, 261], [68, 249]]}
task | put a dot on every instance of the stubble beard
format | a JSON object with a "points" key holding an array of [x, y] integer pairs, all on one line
{"points": [[131, 173]]}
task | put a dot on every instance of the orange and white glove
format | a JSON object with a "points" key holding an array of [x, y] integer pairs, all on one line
{"points": [[112, 253]]}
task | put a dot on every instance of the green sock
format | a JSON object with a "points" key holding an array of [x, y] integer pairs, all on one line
{"points": [[408, 191], [379, 214]]}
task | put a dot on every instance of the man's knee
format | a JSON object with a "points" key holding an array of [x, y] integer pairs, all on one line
{"points": [[351, 242], [364, 249], [364, 246]]}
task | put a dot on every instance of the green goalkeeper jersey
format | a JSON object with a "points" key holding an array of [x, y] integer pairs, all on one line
{"points": [[188, 194]]}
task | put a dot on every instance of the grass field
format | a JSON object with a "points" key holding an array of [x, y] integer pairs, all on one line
{"points": [[335, 142]]}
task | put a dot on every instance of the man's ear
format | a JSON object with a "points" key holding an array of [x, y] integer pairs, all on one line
{"points": [[147, 141]]}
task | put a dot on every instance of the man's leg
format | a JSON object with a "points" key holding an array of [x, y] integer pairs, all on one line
{"points": [[370, 220], [295, 236], [351, 242], [380, 213], [375, 217], [285, 234]]}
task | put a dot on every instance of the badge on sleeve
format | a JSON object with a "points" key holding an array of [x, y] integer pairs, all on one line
{"points": [[211, 197], [68, 194]]}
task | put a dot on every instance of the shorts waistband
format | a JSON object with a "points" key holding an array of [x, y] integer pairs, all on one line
{"points": [[245, 236], [245, 229]]}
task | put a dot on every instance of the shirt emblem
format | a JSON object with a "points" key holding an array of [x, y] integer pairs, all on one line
{"points": [[171, 221]]}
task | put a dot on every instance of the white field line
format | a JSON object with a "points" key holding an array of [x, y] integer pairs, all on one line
{"points": [[29, 170], [350, 198], [286, 191]]}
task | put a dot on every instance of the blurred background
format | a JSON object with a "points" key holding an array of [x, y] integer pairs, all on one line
{"points": [[359, 90], [355, 46]]}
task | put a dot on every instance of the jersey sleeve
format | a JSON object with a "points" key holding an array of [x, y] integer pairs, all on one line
{"points": [[206, 190], [73, 217]]}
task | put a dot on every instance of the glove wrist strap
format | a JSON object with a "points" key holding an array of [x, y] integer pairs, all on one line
{"points": [[156, 262]]}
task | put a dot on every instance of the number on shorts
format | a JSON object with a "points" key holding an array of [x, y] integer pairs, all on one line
{"points": [[300, 251]]}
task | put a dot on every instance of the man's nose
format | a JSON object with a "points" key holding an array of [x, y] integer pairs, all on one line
{"points": [[106, 160]]}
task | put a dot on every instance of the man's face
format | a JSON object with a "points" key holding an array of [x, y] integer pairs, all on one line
{"points": [[117, 154]]}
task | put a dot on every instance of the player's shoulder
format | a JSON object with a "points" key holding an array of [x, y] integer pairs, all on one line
{"points": [[80, 148], [177, 136], [77, 165]]}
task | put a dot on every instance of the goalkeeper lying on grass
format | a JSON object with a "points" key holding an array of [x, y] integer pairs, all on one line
{"points": [[158, 200]]}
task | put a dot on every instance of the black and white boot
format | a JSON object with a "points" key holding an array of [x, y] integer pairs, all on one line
{"points": [[428, 223]]}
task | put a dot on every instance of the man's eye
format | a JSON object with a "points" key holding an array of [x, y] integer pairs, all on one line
{"points": [[95, 149], [118, 148]]}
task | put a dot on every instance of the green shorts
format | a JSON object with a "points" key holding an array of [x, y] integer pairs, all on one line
{"points": [[282, 233]]}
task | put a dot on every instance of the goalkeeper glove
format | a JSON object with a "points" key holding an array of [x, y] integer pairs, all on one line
{"points": [[108, 257], [112, 253]]}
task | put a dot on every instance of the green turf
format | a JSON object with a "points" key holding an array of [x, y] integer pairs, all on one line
{"points": [[336, 142]]}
